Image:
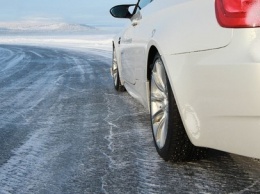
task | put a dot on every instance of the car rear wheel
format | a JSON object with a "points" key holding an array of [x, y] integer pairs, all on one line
{"points": [[115, 73], [170, 138]]}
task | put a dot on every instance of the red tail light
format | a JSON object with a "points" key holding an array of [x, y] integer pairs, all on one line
{"points": [[238, 13]]}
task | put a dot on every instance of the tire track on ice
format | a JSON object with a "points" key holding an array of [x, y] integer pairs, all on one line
{"points": [[134, 152], [27, 168], [27, 91]]}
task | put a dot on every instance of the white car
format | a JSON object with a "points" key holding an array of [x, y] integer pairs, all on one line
{"points": [[195, 65]]}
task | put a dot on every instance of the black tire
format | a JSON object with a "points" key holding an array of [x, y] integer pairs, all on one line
{"points": [[177, 146], [115, 73]]}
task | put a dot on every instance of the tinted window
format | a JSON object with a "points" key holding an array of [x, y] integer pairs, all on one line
{"points": [[143, 3]]}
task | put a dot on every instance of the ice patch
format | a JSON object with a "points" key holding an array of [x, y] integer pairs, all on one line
{"points": [[13, 62]]}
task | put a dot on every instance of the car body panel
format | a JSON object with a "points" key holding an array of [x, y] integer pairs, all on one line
{"points": [[165, 20], [218, 92], [153, 29]]}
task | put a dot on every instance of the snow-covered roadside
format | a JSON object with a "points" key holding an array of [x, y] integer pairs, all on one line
{"points": [[55, 34], [80, 42]]}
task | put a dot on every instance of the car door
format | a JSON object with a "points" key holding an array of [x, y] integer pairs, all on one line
{"points": [[132, 53]]}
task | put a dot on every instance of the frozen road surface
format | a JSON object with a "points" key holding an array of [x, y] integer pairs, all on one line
{"points": [[64, 129]]}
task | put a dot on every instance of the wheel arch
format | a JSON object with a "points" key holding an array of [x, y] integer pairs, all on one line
{"points": [[153, 50], [151, 54]]}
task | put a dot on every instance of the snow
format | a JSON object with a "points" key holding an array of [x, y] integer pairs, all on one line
{"points": [[103, 42], [60, 35], [32, 26]]}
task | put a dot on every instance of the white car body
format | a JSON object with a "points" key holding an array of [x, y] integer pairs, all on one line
{"points": [[214, 72]]}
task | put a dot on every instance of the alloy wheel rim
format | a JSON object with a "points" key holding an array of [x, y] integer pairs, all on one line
{"points": [[115, 68], [159, 103]]}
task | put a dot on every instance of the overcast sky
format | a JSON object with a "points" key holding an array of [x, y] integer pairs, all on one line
{"points": [[71, 11]]}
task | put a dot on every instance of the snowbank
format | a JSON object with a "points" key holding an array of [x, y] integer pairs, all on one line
{"points": [[103, 42], [62, 35]]}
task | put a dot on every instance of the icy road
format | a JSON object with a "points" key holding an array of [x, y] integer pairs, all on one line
{"points": [[64, 129]]}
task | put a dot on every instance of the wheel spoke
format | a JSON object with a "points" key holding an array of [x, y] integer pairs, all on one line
{"points": [[158, 82], [157, 116], [157, 97], [115, 68], [159, 77], [155, 130], [162, 75], [160, 133]]}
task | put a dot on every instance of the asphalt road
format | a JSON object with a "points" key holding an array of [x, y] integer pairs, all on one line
{"points": [[64, 129]]}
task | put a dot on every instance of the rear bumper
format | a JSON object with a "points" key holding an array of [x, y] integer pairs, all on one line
{"points": [[218, 94]]}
